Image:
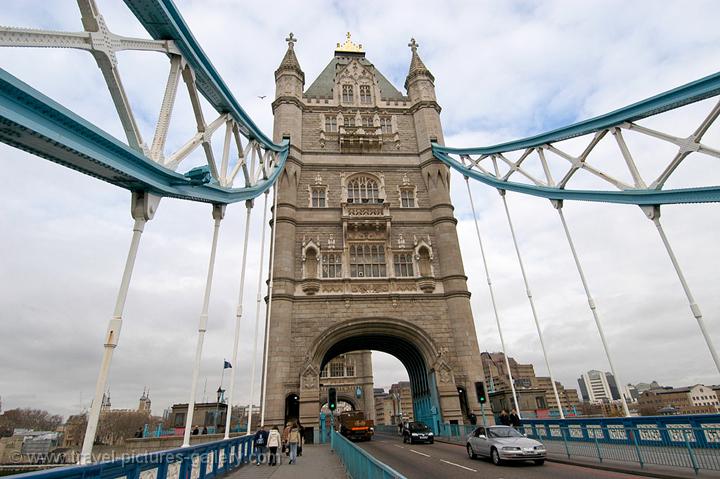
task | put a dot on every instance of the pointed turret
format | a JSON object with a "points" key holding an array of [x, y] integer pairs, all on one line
{"points": [[418, 70], [289, 84], [290, 62]]}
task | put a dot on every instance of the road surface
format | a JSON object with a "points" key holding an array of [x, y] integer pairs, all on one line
{"points": [[449, 461]]}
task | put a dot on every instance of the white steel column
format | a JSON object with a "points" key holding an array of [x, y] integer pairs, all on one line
{"points": [[238, 317], [654, 215], [532, 304], [218, 213], [143, 209], [269, 306], [558, 205], [492, 298], [257, 312]]}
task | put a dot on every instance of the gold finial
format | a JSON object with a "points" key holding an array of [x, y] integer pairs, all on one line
{"points": [[413, 45], [291, 41], [349, 46]]}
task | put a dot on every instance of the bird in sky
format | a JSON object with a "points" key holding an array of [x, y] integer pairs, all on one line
{"points": [[262, 97]]}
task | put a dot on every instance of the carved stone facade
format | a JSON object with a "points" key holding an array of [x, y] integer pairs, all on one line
{"points": [[367, 251]]}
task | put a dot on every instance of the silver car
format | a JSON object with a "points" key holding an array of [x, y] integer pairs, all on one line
{"points": [[503, 443]]}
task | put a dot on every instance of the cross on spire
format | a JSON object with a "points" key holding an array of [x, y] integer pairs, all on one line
{"points": [[413, 45], [291, 40]]}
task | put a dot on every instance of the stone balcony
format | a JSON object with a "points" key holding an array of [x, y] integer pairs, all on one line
{"points": [[360, 138]]}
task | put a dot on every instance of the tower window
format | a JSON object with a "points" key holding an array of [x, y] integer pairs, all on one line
{"points": [[407, 198], [403, 265], [363, 190], [330, 124], [367, 122], [332, 265], [386, 124], [317, 199], [367, 261], [365, 97], [347, 121], [347, 93], [337, 369]]}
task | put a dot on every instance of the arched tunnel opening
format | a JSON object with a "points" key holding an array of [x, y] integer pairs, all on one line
{"points": [[422, 383]]}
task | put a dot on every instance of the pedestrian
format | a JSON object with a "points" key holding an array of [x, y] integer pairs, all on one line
{"points": [[285, 434], [195, 431], [293, 441], [139, 432], [204, 431], [514, 419], [273, 442], [504, 418], [259, 443], [301, 430]]}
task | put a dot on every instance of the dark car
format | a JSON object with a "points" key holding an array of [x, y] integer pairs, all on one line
{"points": [[417, 432]]}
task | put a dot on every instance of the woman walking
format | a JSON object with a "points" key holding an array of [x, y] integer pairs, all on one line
{"points": [[274, 441], [293, 441]]}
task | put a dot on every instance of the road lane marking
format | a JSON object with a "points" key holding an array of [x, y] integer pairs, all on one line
{"points": [[458, 465], [421, 453], [401, 447]]}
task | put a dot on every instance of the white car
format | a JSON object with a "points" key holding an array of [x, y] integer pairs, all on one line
{"points": [[504, 443]]}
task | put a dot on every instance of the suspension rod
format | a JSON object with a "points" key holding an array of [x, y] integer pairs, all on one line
{"points": [[591, 302], [257, 312], [654, 215], [532, 304], [268, 311], [238, 317], [218, 213], [492, 298], [143, 209]]}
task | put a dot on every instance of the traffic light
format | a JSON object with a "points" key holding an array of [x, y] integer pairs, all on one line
{"points": [[480, 391], [332, 399]]}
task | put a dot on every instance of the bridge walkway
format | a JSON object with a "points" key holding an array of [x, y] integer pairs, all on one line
{"points": [[317, 462]]}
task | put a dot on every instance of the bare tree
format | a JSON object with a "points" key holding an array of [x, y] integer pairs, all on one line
{"points": [[26, 418]]}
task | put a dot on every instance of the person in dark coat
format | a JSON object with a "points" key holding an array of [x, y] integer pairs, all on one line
{"points": [[504, 418], [260, 442], [514, 419]]}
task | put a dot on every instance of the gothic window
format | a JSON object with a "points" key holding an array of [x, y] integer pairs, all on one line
{"points": [[403, 265], [317, 197], [324, 372], [407, 197], [365, 97], [386, 124], [311, 263], [367, 122], [332, 265], [347, 93], [330, 124], [424, 262], [363, 190], [347, 122], [337, 369], [367, 261], [350, 369]]}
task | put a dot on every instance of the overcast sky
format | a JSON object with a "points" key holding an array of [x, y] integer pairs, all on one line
{"points": [[503, 70]]}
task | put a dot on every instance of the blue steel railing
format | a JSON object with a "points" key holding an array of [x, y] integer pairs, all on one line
{"points": [[358, 463], [678, 446], [203, 461]]}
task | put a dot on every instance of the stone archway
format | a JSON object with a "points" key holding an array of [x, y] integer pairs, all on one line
{"points": [[435, 397]]}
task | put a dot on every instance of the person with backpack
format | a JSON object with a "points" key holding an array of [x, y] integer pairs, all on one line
{"points": [[259, 442], [293, 441]]}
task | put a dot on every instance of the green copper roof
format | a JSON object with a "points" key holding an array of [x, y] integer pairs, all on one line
{"points": [[324, 83]]}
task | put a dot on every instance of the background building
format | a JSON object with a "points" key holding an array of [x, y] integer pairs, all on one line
{"points": [[697, 399], [535, 393], [598, 386]]}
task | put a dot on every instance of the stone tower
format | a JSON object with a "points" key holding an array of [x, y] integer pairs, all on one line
{"points": [[368, 255]]}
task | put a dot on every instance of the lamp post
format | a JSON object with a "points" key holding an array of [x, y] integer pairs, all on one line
{"points": [[220, 398]]}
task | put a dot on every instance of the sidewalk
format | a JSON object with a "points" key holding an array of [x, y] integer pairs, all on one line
{"points": [[317, 462]]}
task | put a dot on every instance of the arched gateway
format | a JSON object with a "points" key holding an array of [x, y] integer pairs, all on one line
{"points": [[367, 252]]}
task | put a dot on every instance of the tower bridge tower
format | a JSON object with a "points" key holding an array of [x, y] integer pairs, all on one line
{"points": [[368, 255]]}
